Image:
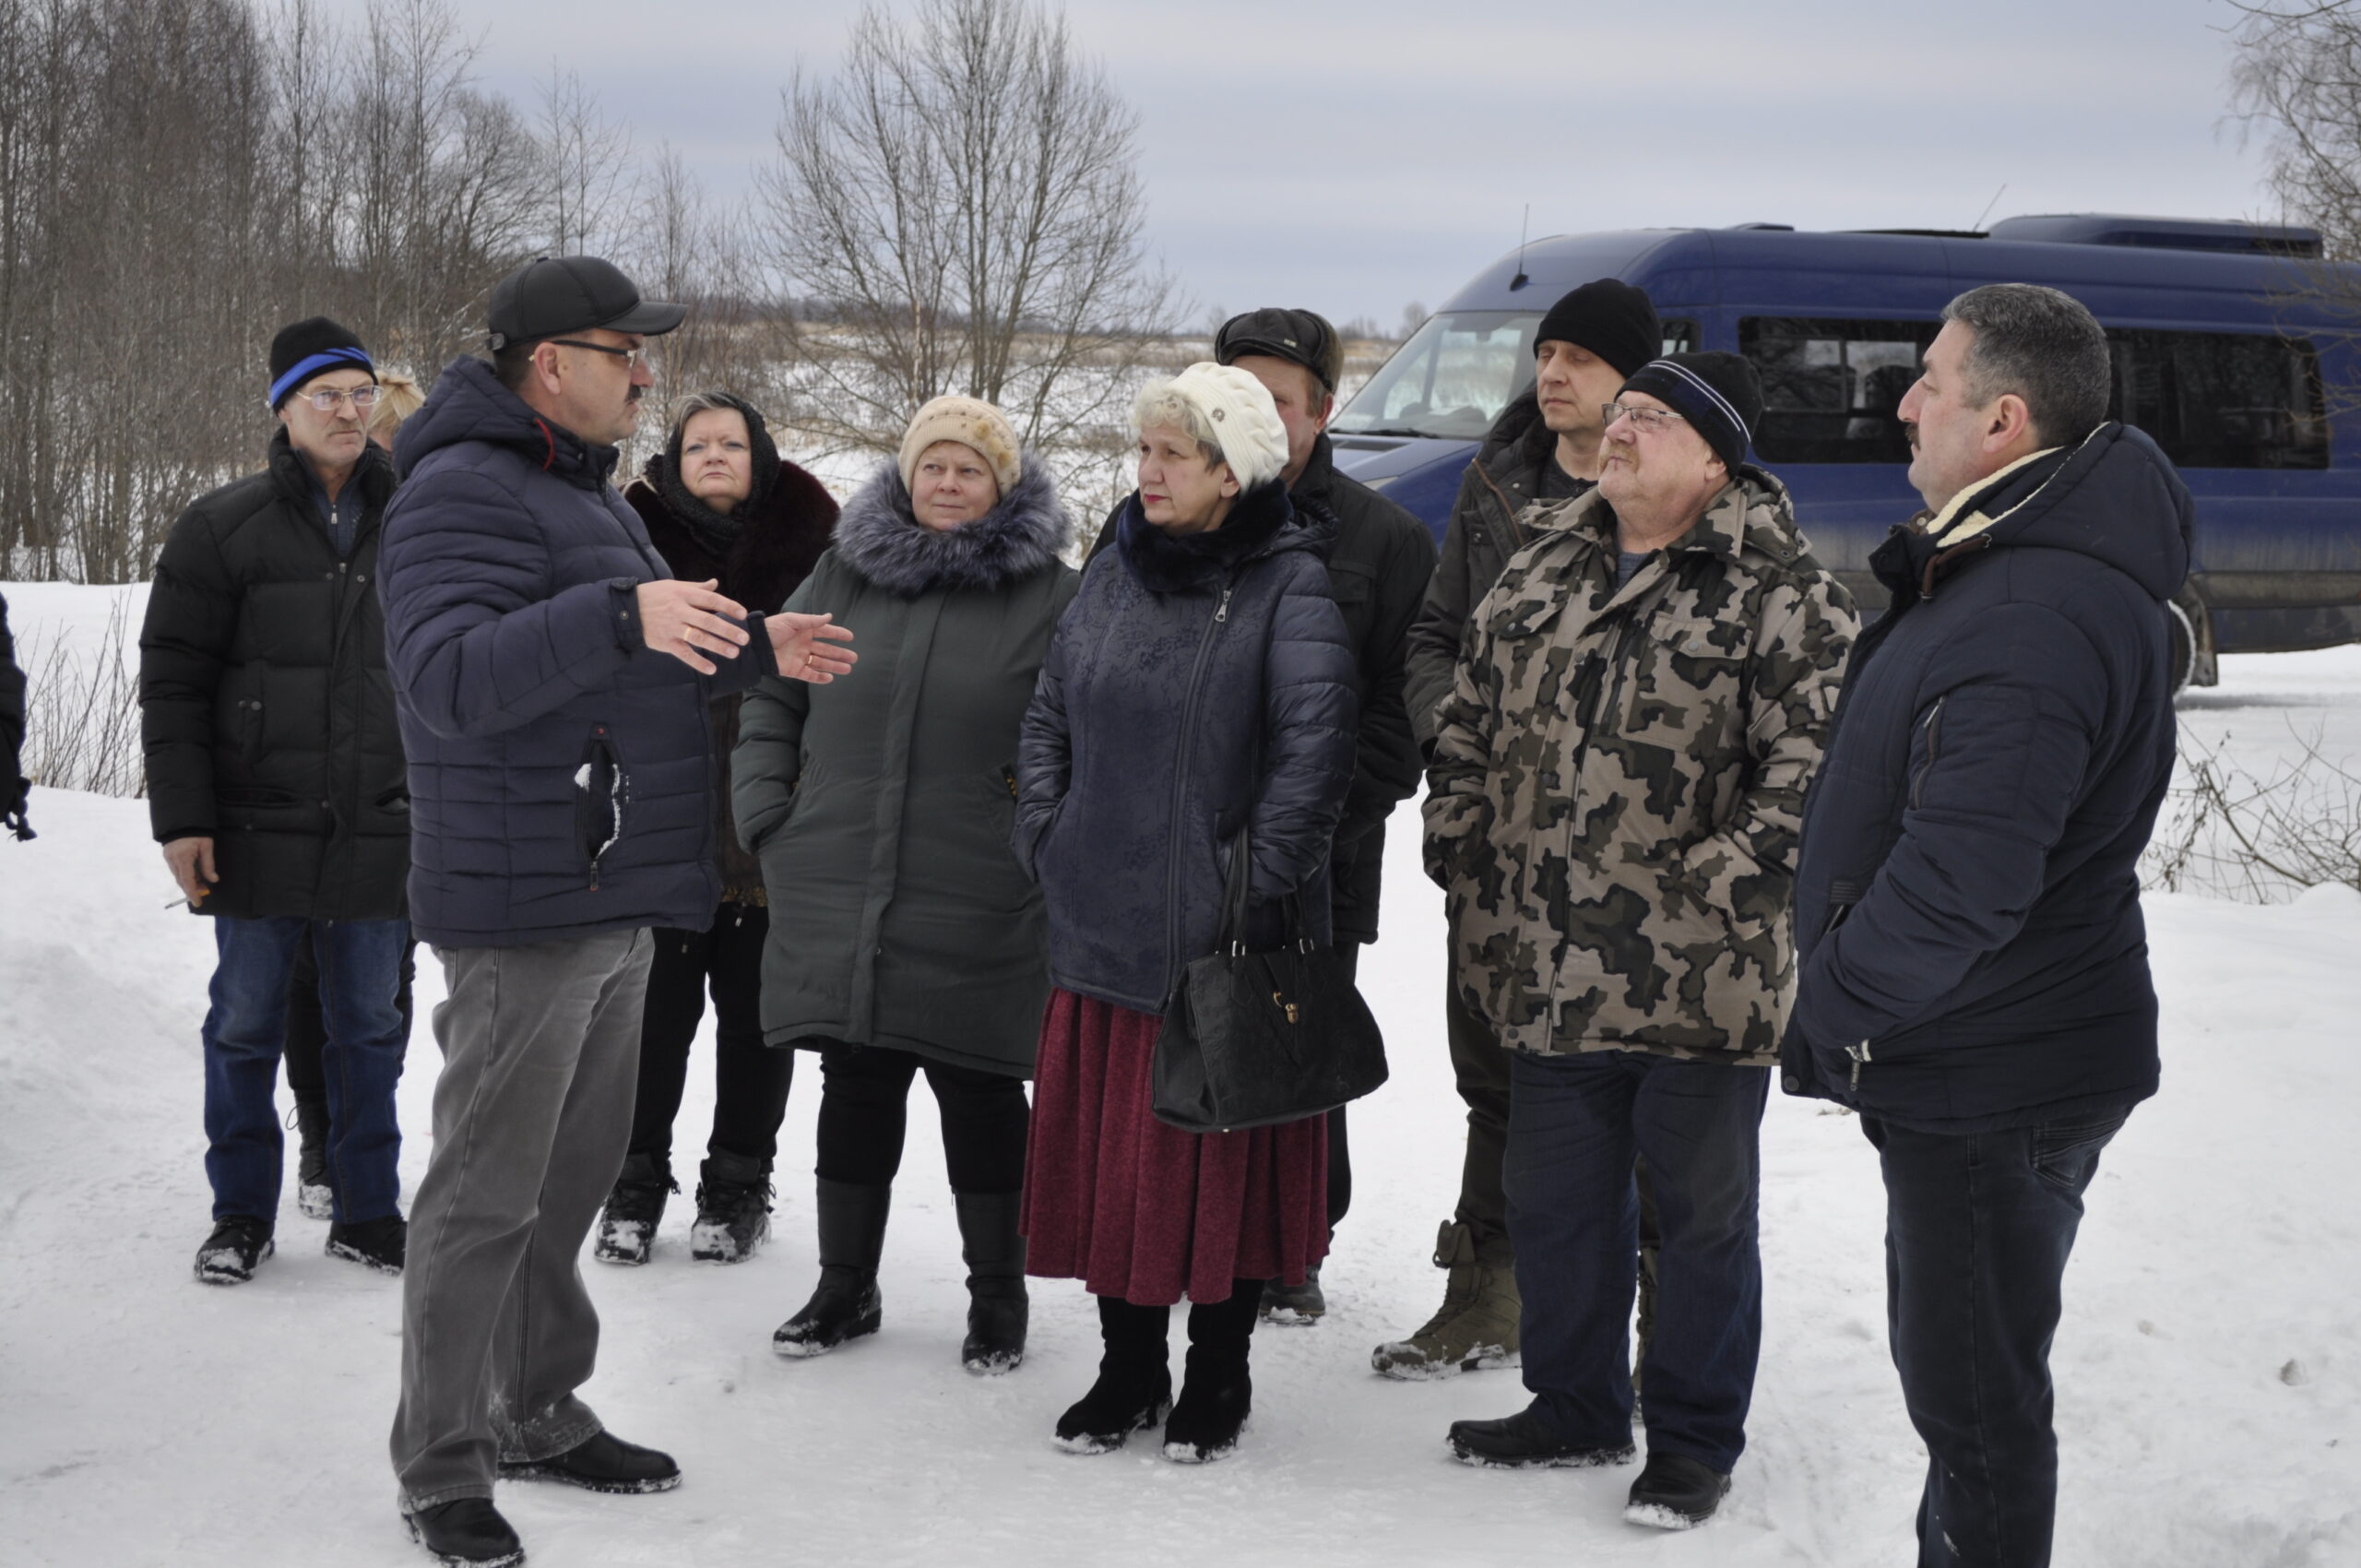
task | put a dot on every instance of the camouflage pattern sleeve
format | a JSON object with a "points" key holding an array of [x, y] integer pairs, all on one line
{"points": [[1458, 807], [1806, 634]]}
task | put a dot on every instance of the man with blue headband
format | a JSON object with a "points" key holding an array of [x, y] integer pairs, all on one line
{"points": [[277, 787]]}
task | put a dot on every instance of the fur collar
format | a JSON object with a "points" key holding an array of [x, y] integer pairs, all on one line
{"points": [[1263, 522], [881, 538], [779, 543]]}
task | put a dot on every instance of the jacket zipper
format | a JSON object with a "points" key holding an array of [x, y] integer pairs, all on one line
{"points": [[1933, 726], [1861, 1055], [1180, 783]]}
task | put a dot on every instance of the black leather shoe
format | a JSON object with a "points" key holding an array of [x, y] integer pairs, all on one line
{"points": [[467, 1532], [1675, 1492], [233, 1250], [1521, 1440], [601, 1461], [377, 1244]]}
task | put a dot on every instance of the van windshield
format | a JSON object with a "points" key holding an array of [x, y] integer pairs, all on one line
{"points": [[1450, 380]]}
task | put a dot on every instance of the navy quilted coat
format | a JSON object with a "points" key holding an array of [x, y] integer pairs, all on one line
{"points": [[561, 776], [1970, 948], [1195, 685]]}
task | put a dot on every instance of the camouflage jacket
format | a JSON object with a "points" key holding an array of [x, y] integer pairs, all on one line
{"points": [[1619, 776]]}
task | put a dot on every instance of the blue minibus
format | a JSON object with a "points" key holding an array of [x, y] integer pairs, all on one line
{"points": [[2227, 351]]}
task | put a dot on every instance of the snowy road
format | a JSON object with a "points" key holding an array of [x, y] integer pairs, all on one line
{"points": [[2209, 1367]]}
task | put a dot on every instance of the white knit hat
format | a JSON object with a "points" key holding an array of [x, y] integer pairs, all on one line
{"points": [[1245, 421], [973, 423]]}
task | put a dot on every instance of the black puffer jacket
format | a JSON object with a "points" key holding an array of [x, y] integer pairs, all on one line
{"points": [[1380, 559], [784, 530], [882, 801], [1967, 893], [13, 784], [1180, 661], [265, 713], [1502, 481]]}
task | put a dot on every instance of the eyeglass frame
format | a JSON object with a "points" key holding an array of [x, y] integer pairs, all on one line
{"points": [[362, 398], [641, 358], [1649, 419]]}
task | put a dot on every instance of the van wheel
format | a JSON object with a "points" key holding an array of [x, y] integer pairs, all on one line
{"points": [[2183, 635]]}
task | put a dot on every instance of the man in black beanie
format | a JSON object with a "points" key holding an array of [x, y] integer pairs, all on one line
{"points": [[278, 789], [1543, 448], [1612, 806]]}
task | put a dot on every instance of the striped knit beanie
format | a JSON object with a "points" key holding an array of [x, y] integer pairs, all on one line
{"points": [[1718, 394]]}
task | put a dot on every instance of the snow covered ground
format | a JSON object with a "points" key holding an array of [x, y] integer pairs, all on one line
{"points": [[2209, 1368]]}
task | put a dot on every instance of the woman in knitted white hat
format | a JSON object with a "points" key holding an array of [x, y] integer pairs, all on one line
{"points": [[1199, 687]]}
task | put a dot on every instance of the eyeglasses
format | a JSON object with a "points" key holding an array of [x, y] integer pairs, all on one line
{"points": [[1649, 419], [362, 398], [641, 358]]}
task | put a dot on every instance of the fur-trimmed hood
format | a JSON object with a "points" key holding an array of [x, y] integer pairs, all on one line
{"points": [[781, 538], [879, 536]]}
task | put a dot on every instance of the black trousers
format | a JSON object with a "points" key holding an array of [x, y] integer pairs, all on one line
{"points": [[307, 1029], [864, 1115], [750, 1078], [1340, 1152], [1978, 1227]]}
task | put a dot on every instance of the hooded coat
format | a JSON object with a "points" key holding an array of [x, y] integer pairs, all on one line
{"points": [[562, 772], [1487, 527], [1199, 685], [1967, 901], [783, 529], [880, 804], [264, 710]]}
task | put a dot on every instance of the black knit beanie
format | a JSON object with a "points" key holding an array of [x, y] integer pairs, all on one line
{"points": [[311, 347], [1717, 393], [1610, 318]]}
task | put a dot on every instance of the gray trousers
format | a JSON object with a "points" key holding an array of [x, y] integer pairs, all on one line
{"points": [[540, 1063]]}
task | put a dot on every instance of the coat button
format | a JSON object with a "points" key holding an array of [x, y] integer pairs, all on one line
{"points": [[1790, 1083]]}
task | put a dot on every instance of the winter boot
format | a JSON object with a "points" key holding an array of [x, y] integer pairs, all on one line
{"points": [[1675, 1492], [733, 1209], [1217, 1395], [601, 1461], [997, 1306], [1525, 1441], [1477, 1324], [315, 1191], [1295, 1306], [1134, 1387], [845, 1305], [627, 1224], [467, 1532], [379, 1243], [230, 1255]]}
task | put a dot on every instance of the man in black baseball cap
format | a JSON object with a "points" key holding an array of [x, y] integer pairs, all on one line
{"points": [[553, 683]]}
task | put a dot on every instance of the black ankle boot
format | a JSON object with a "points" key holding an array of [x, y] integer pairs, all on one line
{"points": [[1217, 1394], [315, 1189], [467, 1532], [852, 1240], [1135, 1386], [998, 1308]]}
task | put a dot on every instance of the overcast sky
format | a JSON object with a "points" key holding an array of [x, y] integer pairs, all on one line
{"points": [[1355, 156]]}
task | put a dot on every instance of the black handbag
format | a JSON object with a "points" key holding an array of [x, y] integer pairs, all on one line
{"points": [[1254, 1038]]}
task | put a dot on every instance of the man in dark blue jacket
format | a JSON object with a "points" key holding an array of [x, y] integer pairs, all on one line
{"points": [[1974, 970], [551, 682]]}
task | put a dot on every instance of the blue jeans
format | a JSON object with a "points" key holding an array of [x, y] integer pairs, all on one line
{"points": [[246, 1026], [1575, 1124], [1978, 1227]]}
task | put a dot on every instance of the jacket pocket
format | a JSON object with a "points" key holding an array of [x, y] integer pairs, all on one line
{"points": [[601, 800], [2065, 1153], [249, 711], [1684, 677], [1926, 748]]}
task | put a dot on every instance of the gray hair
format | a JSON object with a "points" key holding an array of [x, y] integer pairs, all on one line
{"points": [[1162, 405], [697, 403], [2043, 346]]}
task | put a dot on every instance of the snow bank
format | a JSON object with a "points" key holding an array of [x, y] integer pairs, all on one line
{"points": [[2209, 1366]]}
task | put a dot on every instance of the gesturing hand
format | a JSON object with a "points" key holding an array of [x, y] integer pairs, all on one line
{"points": [[806, 646], [685, 620]]}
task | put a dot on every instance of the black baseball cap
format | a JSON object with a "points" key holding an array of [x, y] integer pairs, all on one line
{"points": [[1298, 336], [553, 295]]}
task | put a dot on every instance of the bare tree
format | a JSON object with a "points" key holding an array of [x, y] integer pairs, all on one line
{"points": [[963, 197], [587, 159]]}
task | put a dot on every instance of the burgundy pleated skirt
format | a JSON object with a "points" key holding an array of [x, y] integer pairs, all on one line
{"points": [[1135, 1208]]}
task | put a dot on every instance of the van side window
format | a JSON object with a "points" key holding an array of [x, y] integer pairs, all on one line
{"points": [[2222, 399], [1832, 388], [1679, 334]]}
